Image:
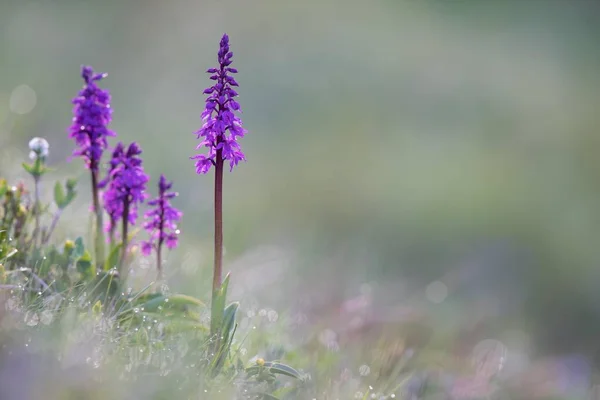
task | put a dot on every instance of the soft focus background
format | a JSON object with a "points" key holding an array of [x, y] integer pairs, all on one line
{"points": [[436, 159]]}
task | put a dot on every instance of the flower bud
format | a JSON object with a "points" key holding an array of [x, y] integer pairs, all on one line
{"points": [[39, 148], [69, 246]]}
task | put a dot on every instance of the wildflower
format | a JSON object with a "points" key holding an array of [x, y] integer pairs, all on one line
{"points": [[219, 116], [161, 222], [91, 116], [112, 205], [38, 152], [69, 246], [220, 131], [126, 183], [39, 148], [89, 129]]}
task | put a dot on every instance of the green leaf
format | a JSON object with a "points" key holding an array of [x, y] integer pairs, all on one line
{"points": [[174, 301], [179, 325], [85, 266], [229, 320], [283, 369], [84, 262], [59, 195], [10, 253], [227, 331], [182, 300], [79, 249], [275, 368], [29, 168], [71, 194], [71, 183], [218, 306], [113, 258], [261, 374], [44, 170], [145, 297], [36, 169], [97, 308]]}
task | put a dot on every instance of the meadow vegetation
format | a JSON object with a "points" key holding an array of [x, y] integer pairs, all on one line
{"points": [[76, 321]]}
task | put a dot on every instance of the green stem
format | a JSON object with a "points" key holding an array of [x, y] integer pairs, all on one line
{"points": [[53, 224], [36, 210], [99, 240]]}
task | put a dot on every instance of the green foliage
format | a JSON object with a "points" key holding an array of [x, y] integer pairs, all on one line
{"points": [[14, 215], [79, 249], [22, 216], [60, 288], [61, 198], [222, 327], [85, 266], [225, 337], [6, 249], [113, 257], [218, 306], [176, 302], [36, 169], [269, 370], [106, 285], [165, 336]]}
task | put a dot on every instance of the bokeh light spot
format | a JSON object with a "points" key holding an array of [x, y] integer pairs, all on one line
{"points": [[22, 100], [436, 292]]}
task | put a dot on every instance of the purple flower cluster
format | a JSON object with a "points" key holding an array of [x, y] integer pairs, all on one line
{"points": [[125, 184], [123, 188], [91, 116], [161, 221], [219, 116]]}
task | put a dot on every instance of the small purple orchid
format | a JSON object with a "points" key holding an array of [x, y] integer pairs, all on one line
{"points": [[89, 128], [91, 116], [125, 189], [112, 205], [219, 116], [161, 223]]}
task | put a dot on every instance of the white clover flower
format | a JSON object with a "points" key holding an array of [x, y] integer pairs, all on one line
{"points": [[39, 148]]}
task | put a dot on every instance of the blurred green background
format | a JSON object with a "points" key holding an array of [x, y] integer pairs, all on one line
{"points": [[391, 144]]}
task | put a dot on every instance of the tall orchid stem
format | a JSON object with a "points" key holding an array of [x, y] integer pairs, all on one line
{"points": [[218, 266], [159, 276], [124, 234], [99, 240], [161, 227], [111, 233]]}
